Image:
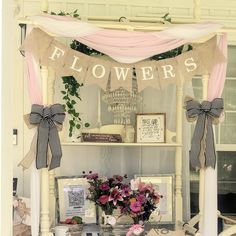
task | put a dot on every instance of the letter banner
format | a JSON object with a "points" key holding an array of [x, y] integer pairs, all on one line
{"points": [[168, 72], [147, 75], [55, 55], [190, 64], [98, 73], [93, 70], [37, 42], [121, 76], [76, 64]]}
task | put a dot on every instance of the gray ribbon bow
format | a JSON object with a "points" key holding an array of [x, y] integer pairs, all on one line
{"points": [[202, 152], [45, 118]]}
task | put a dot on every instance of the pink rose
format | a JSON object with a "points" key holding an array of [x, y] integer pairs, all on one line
{"points": [[104, 187], [103, 199]]}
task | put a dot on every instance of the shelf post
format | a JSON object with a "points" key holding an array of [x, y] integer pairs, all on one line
{"points": [[197, 10], [179, 153], [45, 219], [44, 6], [202, 171], [51, 81]]}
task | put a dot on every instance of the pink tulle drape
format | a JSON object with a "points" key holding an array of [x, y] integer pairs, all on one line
{"points": [[124, 46]]}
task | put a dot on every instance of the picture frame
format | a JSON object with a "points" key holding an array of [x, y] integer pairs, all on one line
{"points": [[15, 180], [71, 199], [164, 184], [150, 127]]}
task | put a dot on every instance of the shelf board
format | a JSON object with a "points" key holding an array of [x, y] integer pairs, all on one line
{"points": [[226, 147], [122, 144]]}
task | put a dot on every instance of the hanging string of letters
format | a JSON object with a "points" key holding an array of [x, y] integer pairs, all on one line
{"points": [[91, 70]]}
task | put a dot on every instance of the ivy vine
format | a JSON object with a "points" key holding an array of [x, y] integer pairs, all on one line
{"points": [[70, 93], [62, 13]]}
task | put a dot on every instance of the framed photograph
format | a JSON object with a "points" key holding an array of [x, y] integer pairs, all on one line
{"points": [[150, 127], [164, 185], [71, 194]]}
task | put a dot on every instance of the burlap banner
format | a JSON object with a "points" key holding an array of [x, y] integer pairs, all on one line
{"points": [[90, 70]]}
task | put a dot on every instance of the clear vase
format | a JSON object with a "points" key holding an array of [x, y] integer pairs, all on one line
{"points": [[106, 223], [76, 230]]}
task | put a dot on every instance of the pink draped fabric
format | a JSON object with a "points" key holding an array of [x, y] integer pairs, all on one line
{"points": [[218, 74], [124, 46], [33, 75], [121, 46], [215, 88]]}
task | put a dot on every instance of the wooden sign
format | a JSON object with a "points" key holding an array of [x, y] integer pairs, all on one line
{"points": [[101, 138]]}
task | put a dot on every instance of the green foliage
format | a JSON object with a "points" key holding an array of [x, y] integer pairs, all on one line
{"points": [[170, 54], [78, 219], [84, 48], [70, 93], [62, 13], [166, 17]]}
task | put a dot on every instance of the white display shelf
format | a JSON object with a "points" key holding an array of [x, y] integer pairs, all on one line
{"points": [[122, 144]]}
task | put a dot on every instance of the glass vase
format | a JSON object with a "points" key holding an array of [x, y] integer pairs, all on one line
{"points": [[106, 228], [76, 230]]}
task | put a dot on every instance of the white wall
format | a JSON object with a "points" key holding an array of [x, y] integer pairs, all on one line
{"points": [[16, 102], [12, 105], [177, 8]]}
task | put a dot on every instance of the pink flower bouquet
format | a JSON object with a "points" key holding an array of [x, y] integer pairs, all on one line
{"points": [[106, 192], [139, 201]]}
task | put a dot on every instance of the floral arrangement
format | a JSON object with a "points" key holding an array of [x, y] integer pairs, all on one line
{"points": [[140, 201], [137, 199], [106, 192]]}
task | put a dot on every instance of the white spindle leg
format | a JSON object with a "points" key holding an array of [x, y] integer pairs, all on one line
{"points": [[44, 5], [202, 171], [178, 154], [197, 10], [45, 220], [51, 80]]}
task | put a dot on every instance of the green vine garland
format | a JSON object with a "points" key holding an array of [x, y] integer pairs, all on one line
{"points": [[71, 92]]}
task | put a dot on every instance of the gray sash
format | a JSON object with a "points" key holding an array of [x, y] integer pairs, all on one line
{"points": [[45, 118], [202, 152]]}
